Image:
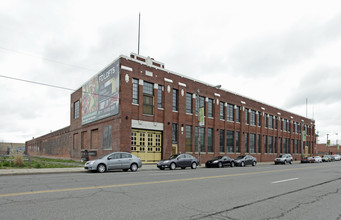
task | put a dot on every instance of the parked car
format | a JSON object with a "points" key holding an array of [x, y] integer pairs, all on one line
{"points": [[220, 161], [336, 157], [244, 160], [178, 160], [114, 161], [326, 158], [318, 159], [308, 160], [283, 159]]}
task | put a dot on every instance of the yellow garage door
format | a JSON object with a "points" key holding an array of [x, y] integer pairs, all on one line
{"points": [[146, 145]]}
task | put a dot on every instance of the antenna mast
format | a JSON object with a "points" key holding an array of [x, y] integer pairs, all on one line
{"points": [[138, 44]]}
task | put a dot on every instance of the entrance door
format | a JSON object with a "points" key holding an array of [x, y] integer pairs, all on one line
{"points": [[146, 145]]}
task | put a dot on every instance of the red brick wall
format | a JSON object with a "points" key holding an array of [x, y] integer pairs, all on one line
{"points": [[121, 123]]}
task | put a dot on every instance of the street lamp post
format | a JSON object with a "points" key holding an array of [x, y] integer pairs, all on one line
{"points": [[198, 110]]}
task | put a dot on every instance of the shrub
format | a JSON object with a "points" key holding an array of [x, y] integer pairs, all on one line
{"points": [[18, 158]]}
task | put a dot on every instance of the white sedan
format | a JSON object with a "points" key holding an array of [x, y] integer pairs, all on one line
{"points": [[318, 159]]}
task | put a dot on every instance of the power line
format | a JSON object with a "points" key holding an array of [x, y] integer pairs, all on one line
{"points": [[46, 59], [53, 86]]}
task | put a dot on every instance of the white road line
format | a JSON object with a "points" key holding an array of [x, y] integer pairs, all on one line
{"points": [[281, 181]]}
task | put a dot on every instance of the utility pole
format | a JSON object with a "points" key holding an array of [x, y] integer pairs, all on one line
{"points": [[327, 144], [198, 111], [138, 43]]}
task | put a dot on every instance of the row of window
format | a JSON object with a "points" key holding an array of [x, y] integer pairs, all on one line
{"points": [[230, 141], [252, 117]]}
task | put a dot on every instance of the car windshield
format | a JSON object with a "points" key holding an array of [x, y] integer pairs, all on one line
{"points": [[239, 157], [217, 157], [281, 156], [173, 156]]}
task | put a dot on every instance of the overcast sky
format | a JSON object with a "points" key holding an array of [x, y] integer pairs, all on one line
{"points": [[277, 52]]}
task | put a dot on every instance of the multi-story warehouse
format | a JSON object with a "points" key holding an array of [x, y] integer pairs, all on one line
{"points": [[138, 106]]}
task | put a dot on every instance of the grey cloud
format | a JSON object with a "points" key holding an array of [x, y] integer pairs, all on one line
{"points": [[320, 87], [272, 54]]}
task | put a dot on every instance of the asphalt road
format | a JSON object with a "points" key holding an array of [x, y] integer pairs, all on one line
{"points": [[299, 191]]}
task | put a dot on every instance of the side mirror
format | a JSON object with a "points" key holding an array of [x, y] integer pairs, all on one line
{"points": [[108, 158]]}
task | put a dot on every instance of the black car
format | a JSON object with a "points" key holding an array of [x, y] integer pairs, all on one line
{"points": [[244, 160], [220, 161], [178, 160]]}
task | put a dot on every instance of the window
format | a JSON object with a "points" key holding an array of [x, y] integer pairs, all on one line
{"points": [[270, 122], [196, 139], [276, 123], [229, 141], [265, 144], [238, 114], [159, 96], [285, 145], [210, 139], [148, 98], [237, 142], [188, 138], [275, 145], [175, 100], [107, 138], [222, 110], [135, 91], [210, 108], [259, 140], [266, 120], [270, 144], [247, 142], [221, 141], [189, 103], [247, 119], [202, 139], [253, 143], [230, 116], [76, 110], [259, 122], [175, 133], [284, 125], [253, 117]]}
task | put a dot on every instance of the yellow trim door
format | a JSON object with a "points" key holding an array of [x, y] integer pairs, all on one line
{"points": [[146, 145]]}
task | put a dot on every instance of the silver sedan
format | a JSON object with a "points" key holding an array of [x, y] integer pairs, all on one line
{"points": [[114, 161]]}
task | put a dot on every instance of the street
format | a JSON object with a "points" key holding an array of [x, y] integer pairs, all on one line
{"points": [[298, 191]]}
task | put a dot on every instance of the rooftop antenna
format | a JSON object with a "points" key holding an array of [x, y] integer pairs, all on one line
{"points": [[138, 45], [306, 107]]}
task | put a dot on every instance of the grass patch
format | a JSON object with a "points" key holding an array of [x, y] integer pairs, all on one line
{"points": [[37, 162]]}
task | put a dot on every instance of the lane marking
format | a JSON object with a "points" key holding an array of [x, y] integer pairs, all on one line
{"points": [[281, 181], [149, 183]]}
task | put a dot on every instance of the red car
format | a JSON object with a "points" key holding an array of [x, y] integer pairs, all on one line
{"points": [[308, 160]]}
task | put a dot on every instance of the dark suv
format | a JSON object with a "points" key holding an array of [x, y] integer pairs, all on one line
{"points": [[178, 160]]}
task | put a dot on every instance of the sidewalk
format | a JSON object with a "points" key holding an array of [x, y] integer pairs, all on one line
{"points": [[32, 171]]}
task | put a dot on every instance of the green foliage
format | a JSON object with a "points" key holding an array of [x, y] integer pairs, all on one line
{"points": [[36, 162]]}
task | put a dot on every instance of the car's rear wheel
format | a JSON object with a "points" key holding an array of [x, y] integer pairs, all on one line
{"points": [[194, 165], [220, 164], [125, 170], [162, 168], [232, 164], [133, 167], [243, 164], [101, 168], [172, 166], [254, 163]]}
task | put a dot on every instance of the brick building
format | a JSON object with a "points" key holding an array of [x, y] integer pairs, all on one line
{"points": [[138, 106]]}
